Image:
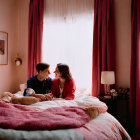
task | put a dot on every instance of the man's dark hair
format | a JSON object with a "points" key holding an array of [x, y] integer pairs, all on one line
{"points": [[65, 71], [42, 66]]}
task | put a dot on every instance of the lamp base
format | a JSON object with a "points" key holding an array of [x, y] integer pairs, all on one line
{"points": [[107, 89]]}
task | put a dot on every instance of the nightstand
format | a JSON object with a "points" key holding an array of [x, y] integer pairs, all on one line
{"points": [[111, 102], [119, 107], [123, 115]]}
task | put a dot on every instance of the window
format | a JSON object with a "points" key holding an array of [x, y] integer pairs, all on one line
{"points": [[69, 39]]}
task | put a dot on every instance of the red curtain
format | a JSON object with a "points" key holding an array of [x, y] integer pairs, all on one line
{"points": [[103, 42], [135, 67], [36, 10]]}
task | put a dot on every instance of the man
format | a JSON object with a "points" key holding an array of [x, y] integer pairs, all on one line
{"points": [[40, 83]]}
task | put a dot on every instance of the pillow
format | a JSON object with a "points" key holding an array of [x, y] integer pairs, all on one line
{"points": [[6, 96], [82, 91], [23, 87]]}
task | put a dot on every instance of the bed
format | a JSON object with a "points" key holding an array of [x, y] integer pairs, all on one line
{"points": [[70, 123]]}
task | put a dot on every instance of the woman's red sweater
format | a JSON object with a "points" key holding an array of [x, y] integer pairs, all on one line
{"points": [[68, 90]]}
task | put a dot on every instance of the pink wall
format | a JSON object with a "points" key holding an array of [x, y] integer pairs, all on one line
{"points": [[123, 36], [14, 21], [22, 39]]}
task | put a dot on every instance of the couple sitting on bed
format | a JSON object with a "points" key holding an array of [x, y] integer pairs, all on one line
{"points": [[41, 87]]}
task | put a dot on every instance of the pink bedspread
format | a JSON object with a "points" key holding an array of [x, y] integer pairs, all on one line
{"points": [[20, 117], [25, 118]]}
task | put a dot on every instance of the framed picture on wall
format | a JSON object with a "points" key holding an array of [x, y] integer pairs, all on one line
{"points": [[3, 48]]}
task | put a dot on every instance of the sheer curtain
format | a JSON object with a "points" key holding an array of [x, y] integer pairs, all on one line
{"points": [[68, 37]]}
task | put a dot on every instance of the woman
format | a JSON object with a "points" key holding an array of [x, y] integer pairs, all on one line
{"points": [[63, 86]]}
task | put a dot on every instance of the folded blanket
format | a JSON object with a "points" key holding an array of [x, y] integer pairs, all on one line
{"points": [[22, 117]]}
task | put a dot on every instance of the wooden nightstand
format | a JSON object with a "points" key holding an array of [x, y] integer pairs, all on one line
{"points": [[111, 103], [119, 108], [123, 115]]}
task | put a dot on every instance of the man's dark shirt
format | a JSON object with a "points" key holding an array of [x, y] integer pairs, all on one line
{"points": [[40, 87]]}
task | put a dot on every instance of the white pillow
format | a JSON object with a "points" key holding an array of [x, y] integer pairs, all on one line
{"points": [[22, 87]]}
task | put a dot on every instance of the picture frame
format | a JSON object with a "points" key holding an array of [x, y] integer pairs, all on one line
{"points": [[3, 48]]}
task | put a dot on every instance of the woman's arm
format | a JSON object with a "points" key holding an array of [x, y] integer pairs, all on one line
{"points": [[55, 88], [71, 87]]}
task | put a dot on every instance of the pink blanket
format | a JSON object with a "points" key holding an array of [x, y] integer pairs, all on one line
{"points": [[22, 117]]}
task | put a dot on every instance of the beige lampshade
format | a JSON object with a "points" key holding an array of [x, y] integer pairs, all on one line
{"points": [[107, 77]]}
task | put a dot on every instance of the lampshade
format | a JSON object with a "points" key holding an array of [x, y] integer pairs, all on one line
{"points": [[107, 77]]}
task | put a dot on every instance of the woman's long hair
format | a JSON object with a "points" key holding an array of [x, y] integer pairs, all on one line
{"points": [[65, 71]]}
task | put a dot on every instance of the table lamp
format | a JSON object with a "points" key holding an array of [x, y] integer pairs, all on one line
{"points": [[107, 78]]}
